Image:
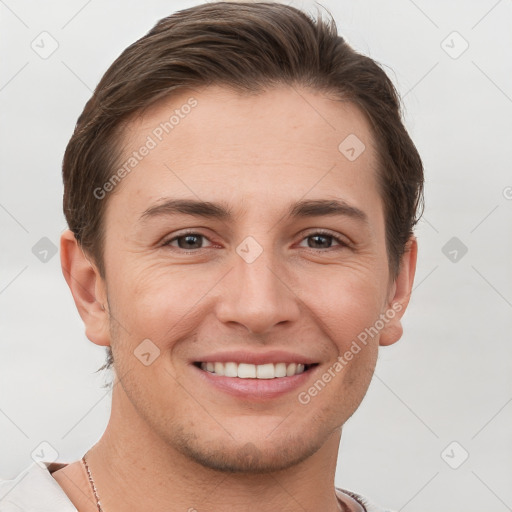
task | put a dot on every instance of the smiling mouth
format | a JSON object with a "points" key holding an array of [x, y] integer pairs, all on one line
{"points": [[254, 371]]}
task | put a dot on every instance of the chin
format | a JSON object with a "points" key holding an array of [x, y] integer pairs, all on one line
{"points": [[256, 456]]}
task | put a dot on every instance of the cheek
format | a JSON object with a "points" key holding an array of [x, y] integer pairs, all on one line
{"points": [[345, 301], [159, 303]]}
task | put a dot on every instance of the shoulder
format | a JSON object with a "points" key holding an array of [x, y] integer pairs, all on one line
{"points": [[367, 504], [34, 489]]}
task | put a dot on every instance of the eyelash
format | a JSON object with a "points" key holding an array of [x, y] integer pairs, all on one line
{"points": [[341, 242]]}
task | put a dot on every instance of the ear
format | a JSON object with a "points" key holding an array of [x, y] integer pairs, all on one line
{"points": [[87, 287], [399, 295]]}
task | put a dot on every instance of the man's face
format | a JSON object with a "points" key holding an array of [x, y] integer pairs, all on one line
{"points": [[259, 286]]}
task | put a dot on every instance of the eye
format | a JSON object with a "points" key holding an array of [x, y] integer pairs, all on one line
{"points": [[323, 240], [187, 241]]}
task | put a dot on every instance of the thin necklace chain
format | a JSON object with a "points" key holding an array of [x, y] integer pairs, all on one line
{"points": [[98, 504]]}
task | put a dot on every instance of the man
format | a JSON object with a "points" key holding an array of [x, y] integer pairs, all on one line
{"points": [[241, 193]]}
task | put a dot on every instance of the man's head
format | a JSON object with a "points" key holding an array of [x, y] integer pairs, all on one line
{"points": [[302, 250]]}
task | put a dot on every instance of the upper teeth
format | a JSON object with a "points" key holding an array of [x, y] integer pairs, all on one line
{"points": [[254, 371]]}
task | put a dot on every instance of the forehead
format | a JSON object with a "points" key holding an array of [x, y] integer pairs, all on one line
{"points": [[283, 141], [266, 116]]}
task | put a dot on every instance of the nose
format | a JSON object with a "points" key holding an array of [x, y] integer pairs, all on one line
{"points": [[258, 295]]}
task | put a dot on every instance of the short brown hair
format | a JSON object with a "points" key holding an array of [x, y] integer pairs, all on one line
{"points": [[247, 47]]}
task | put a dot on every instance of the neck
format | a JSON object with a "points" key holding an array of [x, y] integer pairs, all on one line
{"points": [[134, 468]]}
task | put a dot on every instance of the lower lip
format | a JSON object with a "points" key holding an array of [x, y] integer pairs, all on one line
{"points": [[256, 389]]}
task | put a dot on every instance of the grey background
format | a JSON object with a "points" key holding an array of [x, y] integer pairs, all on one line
{"points": [[448, 379]]}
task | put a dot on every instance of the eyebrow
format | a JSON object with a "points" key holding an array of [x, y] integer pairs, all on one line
{"points": [[300, 209]]}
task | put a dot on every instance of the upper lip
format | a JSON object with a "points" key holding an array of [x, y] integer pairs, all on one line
{"points": [[242, 356]]}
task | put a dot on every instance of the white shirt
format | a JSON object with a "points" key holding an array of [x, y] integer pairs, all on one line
{"points": [[35, 490]]}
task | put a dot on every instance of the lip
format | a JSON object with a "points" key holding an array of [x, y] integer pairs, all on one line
{"points": [[255, 390], [242, 356]]}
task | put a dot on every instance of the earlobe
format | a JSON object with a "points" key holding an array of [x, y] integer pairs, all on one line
{"points": [[87, 287], [400, 294]]}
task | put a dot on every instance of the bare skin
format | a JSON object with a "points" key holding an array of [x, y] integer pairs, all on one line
{"points": [[75, 482], [175, 440]]}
